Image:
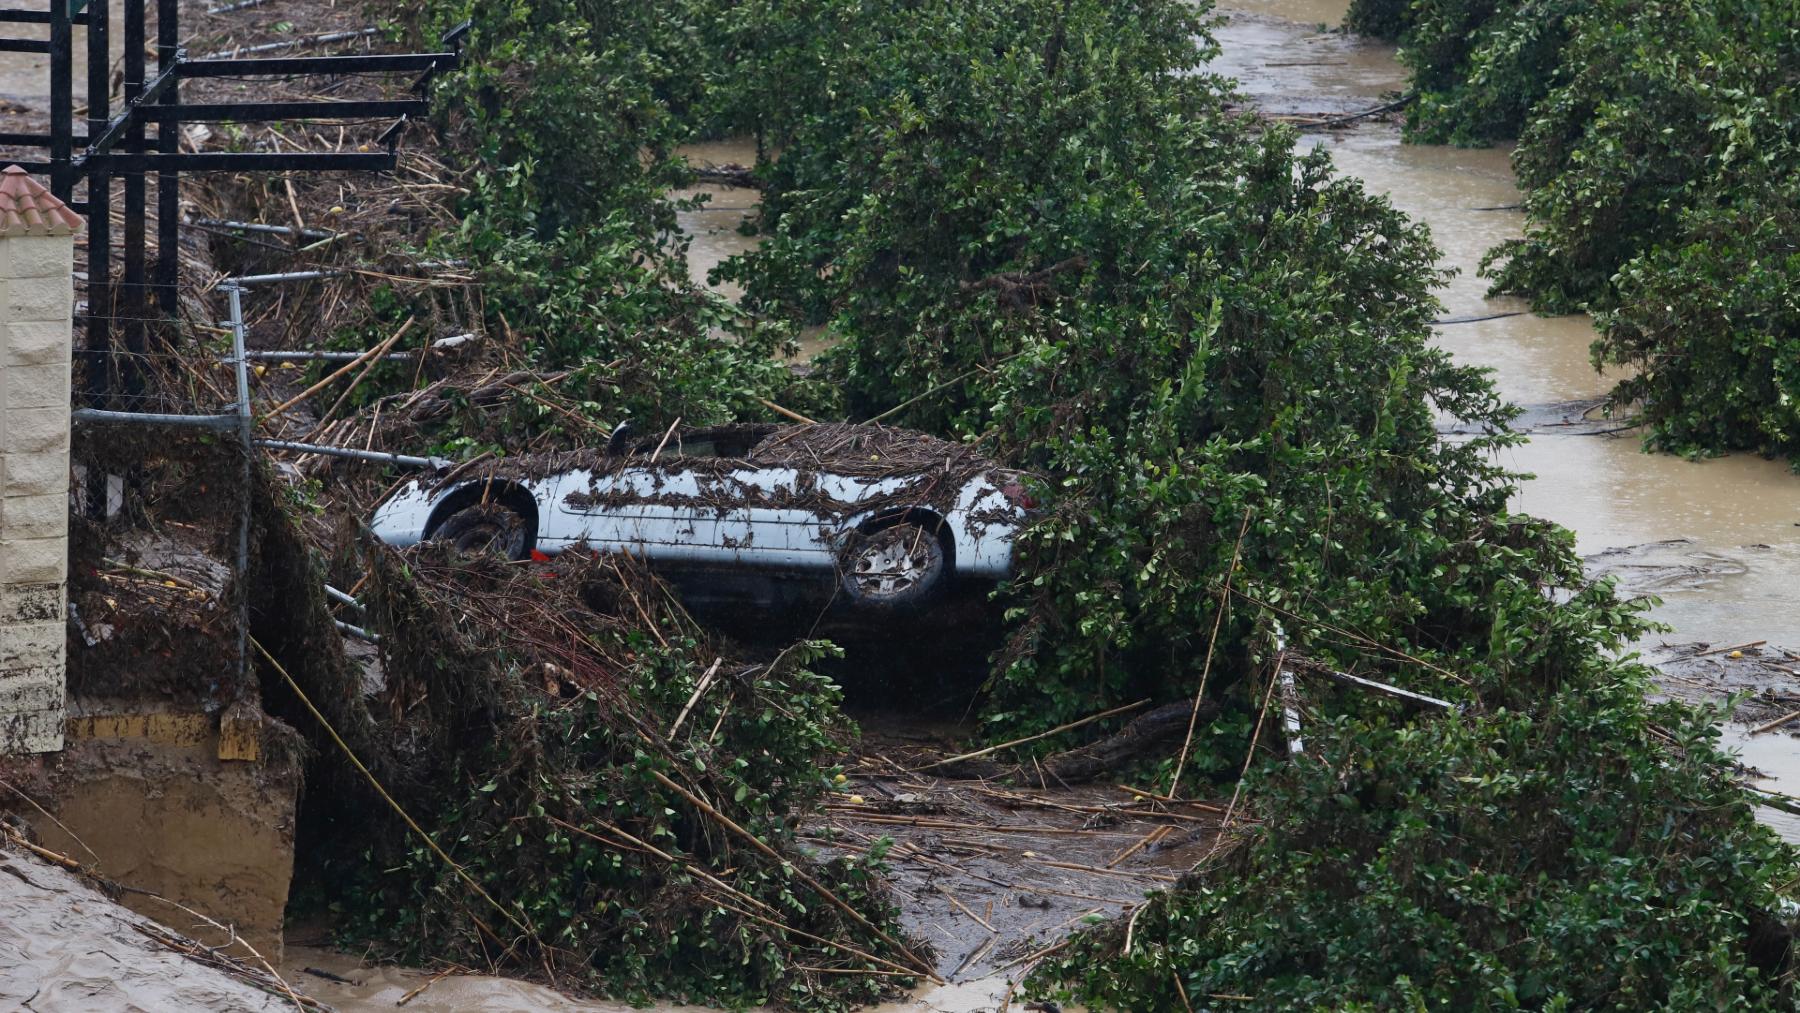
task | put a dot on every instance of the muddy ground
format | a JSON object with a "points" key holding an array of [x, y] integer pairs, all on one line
{"points": [[987, 874], [67, 948]]}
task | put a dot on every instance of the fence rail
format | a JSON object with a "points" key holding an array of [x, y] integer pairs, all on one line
{"points": [[238, 417]]}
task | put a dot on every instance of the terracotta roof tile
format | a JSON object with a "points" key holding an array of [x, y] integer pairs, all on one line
{"points": [[27, 209]]}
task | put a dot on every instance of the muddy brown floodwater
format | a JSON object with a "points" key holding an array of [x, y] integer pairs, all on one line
{"points": [[715, 230], [1717, 541]]}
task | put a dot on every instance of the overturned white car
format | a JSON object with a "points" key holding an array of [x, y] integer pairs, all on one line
{"points": [[769, 515]]}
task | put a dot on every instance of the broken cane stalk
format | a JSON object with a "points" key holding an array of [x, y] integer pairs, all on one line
{"points": [[964, 908], [334, 377], [699, 690], [350, 755], [1777, 723], [818, 887], [1090, 719], [785, 412]]}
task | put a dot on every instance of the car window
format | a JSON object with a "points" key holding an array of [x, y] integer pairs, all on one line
{"points": [[724, 441]]}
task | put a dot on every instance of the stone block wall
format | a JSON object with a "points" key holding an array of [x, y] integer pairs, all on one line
{"points": [[36, 307]]}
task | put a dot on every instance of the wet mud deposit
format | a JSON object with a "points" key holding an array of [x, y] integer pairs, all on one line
{"points": [[988, 874]]}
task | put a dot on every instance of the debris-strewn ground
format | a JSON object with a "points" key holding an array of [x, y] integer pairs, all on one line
{"points": [[990, 875], [1763, 680]]}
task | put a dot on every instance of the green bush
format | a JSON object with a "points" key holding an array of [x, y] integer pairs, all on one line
{"points": [[1647, 130], [1079, 256], [561, 124], [1383, 19], [1478, 66], [548, 711], [1035, 228], [1669, 105], [1708, 327], [1585, 856]]}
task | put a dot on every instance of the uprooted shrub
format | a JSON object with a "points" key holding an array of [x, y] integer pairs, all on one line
{"points": [[613, 790]]}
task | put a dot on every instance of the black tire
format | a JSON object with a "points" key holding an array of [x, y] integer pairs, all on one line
{"points": [[487, 527], [896, 567]]}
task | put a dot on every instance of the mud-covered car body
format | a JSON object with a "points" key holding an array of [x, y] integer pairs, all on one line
{"points": [[753, 514]]}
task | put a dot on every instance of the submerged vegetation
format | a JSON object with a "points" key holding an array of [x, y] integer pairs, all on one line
{"points": [[1655, 140]]}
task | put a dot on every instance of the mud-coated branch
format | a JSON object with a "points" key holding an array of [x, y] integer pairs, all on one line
{"points": [[1014, 282], [1147, 733]]}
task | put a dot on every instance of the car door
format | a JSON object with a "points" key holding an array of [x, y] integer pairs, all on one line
{"points": [[706, 512]]}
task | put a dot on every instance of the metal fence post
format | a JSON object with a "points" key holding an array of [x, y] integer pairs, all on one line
{"points": [[241, 366]]}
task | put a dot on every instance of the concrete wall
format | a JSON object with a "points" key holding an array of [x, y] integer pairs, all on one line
{"points": [[36, 304]]}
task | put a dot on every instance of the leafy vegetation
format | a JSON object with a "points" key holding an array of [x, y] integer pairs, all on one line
{"points": [[1670, 105], [1037, 224], [1171, 318], [603, 823], [1214, 353], [602, 820], [1709, 325], [564, 122], [1478, 66], [1650, 134], [1585, 855]]}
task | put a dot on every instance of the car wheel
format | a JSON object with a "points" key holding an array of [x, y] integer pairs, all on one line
{"points": [[892, 567], [486, 527]]}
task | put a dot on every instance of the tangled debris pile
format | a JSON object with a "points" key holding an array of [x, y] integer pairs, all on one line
{"points": [[729, 468], [611, 789], [153, 549]]}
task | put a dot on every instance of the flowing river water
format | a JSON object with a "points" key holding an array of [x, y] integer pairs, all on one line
{"points": [[1717, 541]]}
